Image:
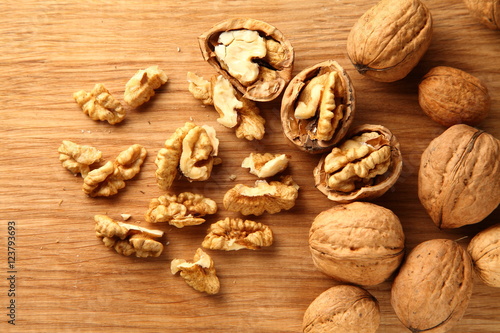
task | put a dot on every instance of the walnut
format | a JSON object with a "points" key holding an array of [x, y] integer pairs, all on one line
{"points": [[253, 55], [263, 197], [484, 249], [342, 308], [199, 274], [128, 239], [318, 107], [266, 165], [388, 41], [184, 209], [360, 243], [234, 110], [485, 11], [459, 176], [433, 287], [141, 87], [110, 178], [364, 166], [77, 158], [450, 96], [99, 104], [236, 234]]}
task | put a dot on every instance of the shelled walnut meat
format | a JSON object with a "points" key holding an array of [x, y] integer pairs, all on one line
{"points": [[388, 41], [484, 249], [360, 243], [342, 309], [141, 87], [78, 158], [364, 166], [459, 176], [99, 104], [318, 107], [433, 287], [200, 274], [266, 165], [486, 11], [253, 55]]}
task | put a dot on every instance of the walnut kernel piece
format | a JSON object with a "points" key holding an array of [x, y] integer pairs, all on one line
{"points": [[263, 197], [433, 287], [484, 249], [99, 104], [266, 165], [364, 166], [199, 147], [318, 107], [200, 274], [184, 209], [141, 87], [253, 55], [236, 234], [77, 158], [234, 110], [128, 239], [342, 308], [485, 11]]}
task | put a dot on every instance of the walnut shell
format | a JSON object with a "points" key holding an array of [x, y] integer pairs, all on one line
{"points": [[368, 176], [303, 133], [486, 11], [433, 287], [459, 176], [388, 41], [342, 309], [275, 68], [484, 249], [450, 96], [360, 243]]}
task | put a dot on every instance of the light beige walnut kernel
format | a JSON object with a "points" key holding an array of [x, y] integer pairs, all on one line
{"points": [[99, 104], [236, 234], [263, 197], [77, 158], [184, 209], [128, 239], [234, 110], [141, 87], [200, 274], [266, 165]]}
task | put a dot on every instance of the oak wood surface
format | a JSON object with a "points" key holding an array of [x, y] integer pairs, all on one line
{"points": [[67, 281]]}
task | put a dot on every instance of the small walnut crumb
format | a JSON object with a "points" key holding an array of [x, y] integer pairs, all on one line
{"points": [[266, 165], [128, 239], [125, 217], [141, 87], [200, 274], [232, 178], [181, 210], [99, 104], [263, 197], [236, 234], [77, 158]]}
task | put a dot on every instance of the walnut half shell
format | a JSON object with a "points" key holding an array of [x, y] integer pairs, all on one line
{"points": [[318, 107], [364, 166], [253, 55]]}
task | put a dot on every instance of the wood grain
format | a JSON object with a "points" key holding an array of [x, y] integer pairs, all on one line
{"points": [[67, 281]]}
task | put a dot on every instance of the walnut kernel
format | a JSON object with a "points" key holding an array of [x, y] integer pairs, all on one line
{"points": [[77, 158], [141, 87], [266, 165], [200, 274], [99, 104]]}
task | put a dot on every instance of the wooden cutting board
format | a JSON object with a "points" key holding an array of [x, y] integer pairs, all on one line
{"points": [[66, 280]]}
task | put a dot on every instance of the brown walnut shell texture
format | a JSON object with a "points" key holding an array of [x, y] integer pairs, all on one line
{"points": [[261, 90], [459, 176], [382, 183], [484, 249], [296, 130], [433, 287], [486, 11], [360, 243], [450, 96], [388, 41], [342, 309]]}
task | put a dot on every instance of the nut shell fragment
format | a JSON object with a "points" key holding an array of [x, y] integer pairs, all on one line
{"points": [[484, 249], [141, 87], [99, 104], [77, 158], [342, 309], [253, 55], [433, 287], [200, 274]]}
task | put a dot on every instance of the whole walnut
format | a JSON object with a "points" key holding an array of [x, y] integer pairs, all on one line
{"points": [[459, 176], [451, 96], [484, 250], [433, 287], [486, 11], [360, 243], [342, 309]]}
